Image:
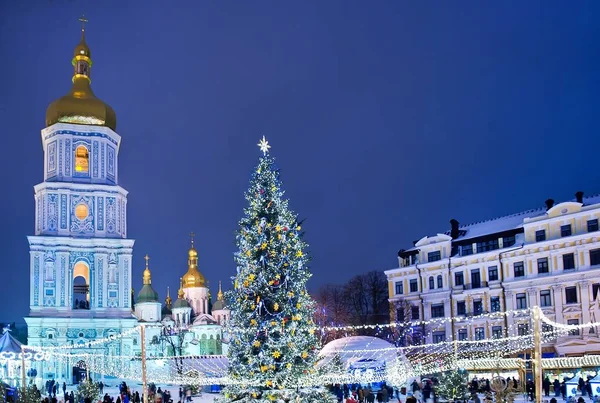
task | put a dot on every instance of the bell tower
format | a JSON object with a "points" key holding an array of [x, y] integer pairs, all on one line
{"points": [[80, 256]]}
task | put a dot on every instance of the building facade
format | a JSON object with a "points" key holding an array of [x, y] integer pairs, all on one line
{"points": [[81, 295], [80, 256], [548, 257]]}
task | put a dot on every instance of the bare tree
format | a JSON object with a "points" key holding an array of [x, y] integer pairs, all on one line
{"points": [[332, 310], [173, 340]]}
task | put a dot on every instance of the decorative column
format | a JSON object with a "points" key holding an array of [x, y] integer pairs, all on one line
{"points": [[469, 304], [510, 320], [427, 316], [584, 293], [558, 302], [532, 296]]}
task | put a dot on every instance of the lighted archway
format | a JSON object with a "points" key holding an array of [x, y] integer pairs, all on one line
{"points": [[81, 159], [81, 286]]}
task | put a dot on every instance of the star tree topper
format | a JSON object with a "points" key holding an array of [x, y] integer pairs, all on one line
{"points": [[264, 146]]}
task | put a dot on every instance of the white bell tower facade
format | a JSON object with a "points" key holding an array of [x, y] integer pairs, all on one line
{"points": [[80, 256]]}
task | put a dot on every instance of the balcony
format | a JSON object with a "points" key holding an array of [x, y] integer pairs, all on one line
{"points": [[474, 286]]}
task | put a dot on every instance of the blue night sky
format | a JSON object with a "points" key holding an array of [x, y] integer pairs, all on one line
{"points": [[387, 119]]}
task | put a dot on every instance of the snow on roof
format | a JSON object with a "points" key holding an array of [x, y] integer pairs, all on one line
{"points": [[9, 344], [500, 224], [505, 223], [360, 348]]}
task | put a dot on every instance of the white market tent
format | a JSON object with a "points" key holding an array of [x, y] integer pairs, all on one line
{"points": [[368, 358], [10, 358], [572, 385]]}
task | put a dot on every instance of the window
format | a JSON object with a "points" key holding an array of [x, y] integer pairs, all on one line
{"points": [[431, 283], [521, 301], [437, 311], [462, 334], [595, 257], [434, 256], [575, 322], [399, 288], [49, 292], [543, 265], [592, 225], [475, 278], [459, 278], [81, 211], [479, 333], [595, 289], [414, 312], [493, 273], [414, 285], [477, 307], [439, 337], [495, 304], [568, 261], [400, 316], [461, 308], [81, 159], [565, 230], [546, 328], [486, 246], [440, 281], [466, 250], [522, 329], [519, 269], [508, 241], [545, 298], [571, 295], [497, 332], [540, 235]]}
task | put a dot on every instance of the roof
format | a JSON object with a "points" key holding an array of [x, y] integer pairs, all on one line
{"points": [[218, 305], [8, 344], [181, 303], [355, 349], [505, 223], [147, 294]]}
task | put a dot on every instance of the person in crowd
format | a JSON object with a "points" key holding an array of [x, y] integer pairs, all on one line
{"points": [[556, 385], [581, 385], [546, 385], [370, 396]]}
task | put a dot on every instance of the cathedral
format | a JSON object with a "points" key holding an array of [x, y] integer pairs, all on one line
{"points": [[81, 257]]}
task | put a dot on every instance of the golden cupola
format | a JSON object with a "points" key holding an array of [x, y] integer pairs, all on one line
{"points": [[80, 105], [193, 278]]}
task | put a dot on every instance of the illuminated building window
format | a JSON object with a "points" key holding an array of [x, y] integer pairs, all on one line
{"points": [[81, 211], [81, 159]]}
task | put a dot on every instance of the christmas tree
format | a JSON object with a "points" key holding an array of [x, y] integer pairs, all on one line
{"points": [[453, 385], [88, 390], [273, 344]]}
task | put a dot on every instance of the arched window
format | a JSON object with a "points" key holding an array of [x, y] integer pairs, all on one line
{"points": [[440, 281], [81, 286], [431, 283], [81, 159]]}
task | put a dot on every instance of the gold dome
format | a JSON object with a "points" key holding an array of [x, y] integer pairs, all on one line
{"points": [[193, 277], [80, 105]]}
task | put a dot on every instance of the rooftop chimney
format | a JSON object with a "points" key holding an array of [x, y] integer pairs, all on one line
{"points": [[453, 228], [579, 197], [549, 204]]}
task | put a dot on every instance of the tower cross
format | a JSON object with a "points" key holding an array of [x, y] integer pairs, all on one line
{"points": [[192, 235], [147, 258], [83, 21]]}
